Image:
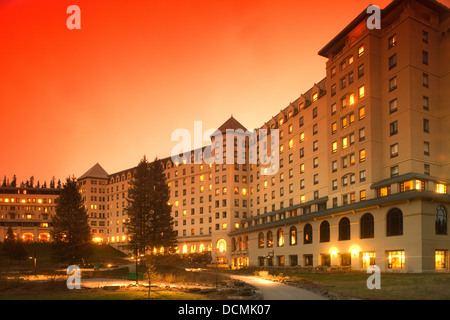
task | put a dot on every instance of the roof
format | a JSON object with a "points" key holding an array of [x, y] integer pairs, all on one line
{"points": [[95, 172], [231, 124], [441, 9]]}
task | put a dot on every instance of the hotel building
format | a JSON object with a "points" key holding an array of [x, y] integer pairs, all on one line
{"points": [[362, 173], [363, 169]]}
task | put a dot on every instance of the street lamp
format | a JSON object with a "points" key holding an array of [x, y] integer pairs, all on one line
{"points": [[271, 254]]}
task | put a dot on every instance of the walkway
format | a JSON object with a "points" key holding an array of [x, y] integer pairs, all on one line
{"points": [[279, 291]]}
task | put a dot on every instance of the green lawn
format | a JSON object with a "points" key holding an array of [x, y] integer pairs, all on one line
{"points": [[394, 286], [105, 295]]}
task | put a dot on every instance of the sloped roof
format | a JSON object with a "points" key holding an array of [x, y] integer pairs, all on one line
{"points": [[95, 172], [232, 124]]}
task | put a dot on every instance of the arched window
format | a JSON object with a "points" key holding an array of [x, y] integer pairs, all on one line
{"points": [[307, 234], [269, 239], [239, 243], [261, 240], [367, 226], [221, 245], [441, 220], [233, 244], [280, 238], [324, 232], [344, 229], [293, 236], [394, 222]]}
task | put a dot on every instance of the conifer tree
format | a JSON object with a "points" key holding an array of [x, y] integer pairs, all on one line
{"points": [[71, 231], [150, 224]]}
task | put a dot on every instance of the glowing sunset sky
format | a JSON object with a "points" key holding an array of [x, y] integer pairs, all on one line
{"points": [[137, 70]]}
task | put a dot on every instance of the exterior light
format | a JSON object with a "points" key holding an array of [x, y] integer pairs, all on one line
{"points": [[355, 252]]}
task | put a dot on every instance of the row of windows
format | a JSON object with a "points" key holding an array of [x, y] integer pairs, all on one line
{"points": [[394, 227]]}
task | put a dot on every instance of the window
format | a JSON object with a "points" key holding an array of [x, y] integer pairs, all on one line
{"points": [[362, 134], [333, 72], [344, 229], [333, 127], [394, 222], [280, 238], [324, 232], [334, 166], [351, 99], [360, 51], [425, 57], [300, 122], [293, 236], [392, 41], [426, 148], [334, 147], [333, 109], [367, 226], [362, 195], [362, 113], [384, 191], [441, 220], [425, 80], [315, 145], [269, 239], [334, 184], [393, 105], [333, 89], [426, 125], [361, 71], [426, 103], [368, 259], [441, 258], [394, 150], [392, 61], [314, 112], [307, 234], [362, 155], [393, 128], [362, 175], [393, 83], [396, 259], [424, 36], [315, 96], [441, 188], [394, 171]]}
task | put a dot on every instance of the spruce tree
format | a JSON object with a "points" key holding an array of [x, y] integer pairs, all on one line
{"points": [[150, 224], [71, 232], [163, 234]]}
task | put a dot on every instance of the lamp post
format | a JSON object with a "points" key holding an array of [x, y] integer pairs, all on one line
{"points": [[271, 254]]}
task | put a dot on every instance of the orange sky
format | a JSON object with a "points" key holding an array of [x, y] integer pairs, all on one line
{"points": [[137, 70]]}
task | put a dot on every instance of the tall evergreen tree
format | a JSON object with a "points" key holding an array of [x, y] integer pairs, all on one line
{"points": [[14, 181], [163, 234], [150, 224], [71, 232]]}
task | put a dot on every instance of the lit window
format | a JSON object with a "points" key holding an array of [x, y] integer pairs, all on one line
{"points": [[315, 96], [368, 259], [291, 143], [302, 137], [334, 147], [361, 92], [396, 259], [302, 199], [440, 259], [345, 142], [334, 127], [352, 99], [362, 155], [202, 178], [362, 113], [281, 121], [441, 188], [244, 191], [360, 51], [302, 168]]}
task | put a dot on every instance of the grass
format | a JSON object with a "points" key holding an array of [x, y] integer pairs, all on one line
{"points": [[394, 286], [104, 295]]}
